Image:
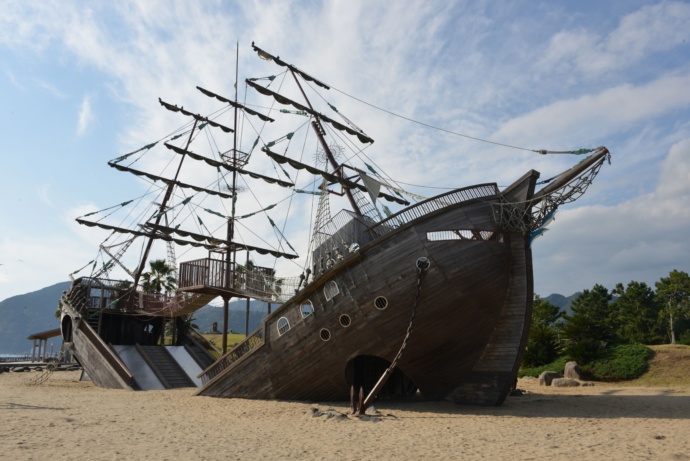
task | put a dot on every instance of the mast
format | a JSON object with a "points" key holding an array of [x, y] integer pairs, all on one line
{"points": [[318, 129], [161, 210], [231, 252]]}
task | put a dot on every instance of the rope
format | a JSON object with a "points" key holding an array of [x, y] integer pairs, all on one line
{"points": [[422, 265], [455, 133]]}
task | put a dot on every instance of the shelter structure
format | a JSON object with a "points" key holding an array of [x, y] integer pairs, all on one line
{"points": [[39, 348]]}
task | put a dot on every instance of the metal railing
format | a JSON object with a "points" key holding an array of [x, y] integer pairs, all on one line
{"points": [[253, 341], [433, 204], [254, 281]]}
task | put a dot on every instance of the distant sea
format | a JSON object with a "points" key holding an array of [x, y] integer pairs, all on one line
{"points": [[12, 357]]}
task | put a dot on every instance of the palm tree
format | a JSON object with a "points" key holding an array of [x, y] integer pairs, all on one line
{"points": [[161, 277]]}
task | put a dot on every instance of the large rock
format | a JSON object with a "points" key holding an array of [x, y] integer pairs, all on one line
{"points": [[564, 382], [572, 370], [546, 377]]}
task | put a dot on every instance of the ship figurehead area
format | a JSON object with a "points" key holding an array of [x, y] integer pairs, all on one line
{"points": [[392, 294]]}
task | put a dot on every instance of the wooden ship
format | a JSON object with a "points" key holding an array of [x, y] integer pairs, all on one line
{"points": [[433, 298]]}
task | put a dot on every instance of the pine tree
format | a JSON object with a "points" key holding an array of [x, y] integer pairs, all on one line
{"points": [[674, 292]]}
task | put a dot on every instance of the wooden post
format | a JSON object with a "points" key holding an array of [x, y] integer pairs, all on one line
{"points": [[246, 320], [225, 323]]}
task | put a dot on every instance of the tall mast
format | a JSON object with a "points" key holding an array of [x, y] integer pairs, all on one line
{"points": [[318, 129], [231, 253], [161, 212]]}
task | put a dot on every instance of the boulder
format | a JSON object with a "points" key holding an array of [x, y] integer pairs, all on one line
{"points": [[546, 377], [565, 382], [572, 370]]}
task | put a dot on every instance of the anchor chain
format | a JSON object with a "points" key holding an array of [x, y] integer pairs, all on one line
{"points": [[422, 266]]}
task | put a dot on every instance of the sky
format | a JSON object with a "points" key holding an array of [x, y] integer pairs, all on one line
{"points": [[79, 84]]}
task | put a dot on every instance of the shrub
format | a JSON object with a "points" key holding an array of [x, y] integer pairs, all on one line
{"points": [[542, 346], [684, 338], [628, 361], [586, 350], [557, 365]]}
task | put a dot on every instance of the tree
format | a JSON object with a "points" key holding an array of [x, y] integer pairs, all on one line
{"points": [[588, 330], [160, 278], [674, 292], [635, 314], [543, 312], [543, 344]]}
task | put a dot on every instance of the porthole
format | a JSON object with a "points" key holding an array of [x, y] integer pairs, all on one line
{"points": [[307, 309], [283, 325], [345, 320], [423, 263], [381, 303], [325, 334]]}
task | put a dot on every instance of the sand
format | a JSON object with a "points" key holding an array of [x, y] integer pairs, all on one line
{"points": [[65, 419]]}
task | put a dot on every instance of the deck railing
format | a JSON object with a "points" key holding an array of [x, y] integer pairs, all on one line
{"points": [[253, 341], [254, 281], [205, 343], [435, 203]]}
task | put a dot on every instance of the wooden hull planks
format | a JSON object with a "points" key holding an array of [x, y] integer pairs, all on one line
{"points": [[467, 336]]}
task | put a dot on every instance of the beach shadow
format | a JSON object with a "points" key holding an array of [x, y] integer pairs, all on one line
{"points": [[608, 405]]}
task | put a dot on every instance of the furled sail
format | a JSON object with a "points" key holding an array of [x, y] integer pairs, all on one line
{"points": [[330, 176], [168, 181], [212, 240], [267, 56], [289, 102], [122, 230], [226, 166], [164, 233], [174, 108], [235, 104]]}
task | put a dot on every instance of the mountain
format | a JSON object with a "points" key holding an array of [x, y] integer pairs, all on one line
{"points": [[207, 315], [563, 302], [23, 315], [34, 312]]}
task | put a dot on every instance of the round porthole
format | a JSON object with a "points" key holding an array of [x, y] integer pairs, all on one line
{"points": [[345, 320], [325, 334], [423, 263], [381, 303]]}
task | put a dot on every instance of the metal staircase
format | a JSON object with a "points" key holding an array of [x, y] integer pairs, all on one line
{"points": [[165, 367]]}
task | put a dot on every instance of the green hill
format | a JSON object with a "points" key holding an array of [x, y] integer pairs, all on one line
{"points": [[670, 366], [23, 315]]}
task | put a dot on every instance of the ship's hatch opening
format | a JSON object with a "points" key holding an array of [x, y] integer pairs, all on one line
{"points": [[67, 329], [365, 371]]}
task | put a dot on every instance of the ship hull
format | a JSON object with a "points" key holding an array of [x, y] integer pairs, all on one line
{"points": [[467, 314]]}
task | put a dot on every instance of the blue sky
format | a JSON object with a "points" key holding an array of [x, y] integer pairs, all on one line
{"points": [[79, 85]]}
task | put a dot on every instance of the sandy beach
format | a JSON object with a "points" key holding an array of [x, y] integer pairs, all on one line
{"points": [[65, 419]]}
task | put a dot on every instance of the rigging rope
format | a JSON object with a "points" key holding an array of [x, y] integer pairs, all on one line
{"points": [[455, 133]]}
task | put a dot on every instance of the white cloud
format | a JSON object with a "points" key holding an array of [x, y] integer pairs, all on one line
{"points": [[591, 118], [44, 193], [651, 29], [460, 66], [641, 239], [85, 116], [13, 80], [52, 89]]}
